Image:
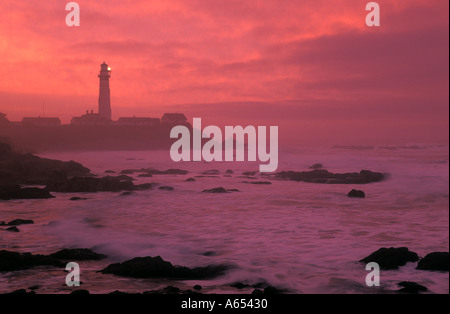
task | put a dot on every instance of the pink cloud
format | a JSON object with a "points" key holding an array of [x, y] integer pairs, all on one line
{"points": [[308, 61]]}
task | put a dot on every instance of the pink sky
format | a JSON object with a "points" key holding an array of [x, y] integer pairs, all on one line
{"points": [[311, 67]]}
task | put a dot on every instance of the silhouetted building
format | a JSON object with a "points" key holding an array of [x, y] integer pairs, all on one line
{"points": [[104, 100], [170, 119], [90, 118], [3, 119], [40, 121], [103, 117], [137, 121]]}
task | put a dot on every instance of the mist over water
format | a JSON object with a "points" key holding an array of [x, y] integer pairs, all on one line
{"points": [[300, 236]]}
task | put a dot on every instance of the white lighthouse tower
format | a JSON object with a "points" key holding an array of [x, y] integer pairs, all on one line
{"points": [[104, 101]]}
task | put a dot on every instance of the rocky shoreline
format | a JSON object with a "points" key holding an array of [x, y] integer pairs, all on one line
{"points": [[17, 171], [157, 268], [325, 177]]}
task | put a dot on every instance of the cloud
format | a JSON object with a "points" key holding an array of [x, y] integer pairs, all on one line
{"points": [[297, 60]]}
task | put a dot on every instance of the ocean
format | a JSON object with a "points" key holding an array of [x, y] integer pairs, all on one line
{"points": [[302, 237]]}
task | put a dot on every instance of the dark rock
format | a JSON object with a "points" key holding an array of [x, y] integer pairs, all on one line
{"points": [[77, 255], [18, 222], [18, 168], [2, 223], [220, 190], [211, 172], [124, 178], [89, 184], [54, 223], [249, 173], [323, 176], [209, 253], [10, 261], [190, 180], [5, 149], [356, 193], [189, 291], [80, 291], [166, 290], [316, 166], [197, 287], [259, 182], [126, 193], [229, 171], [35, 287], [216, 190], [110, 171], [12, 192], [156, 267], [128, 171], [144, 186], [260, 285], [268, 289], [239, 285], [207, 176], [167, 188], [169, 171], [391, 258], [411, 287], [145, 175], [118, 292], [78, 198], [13, 229], [436, 261]]}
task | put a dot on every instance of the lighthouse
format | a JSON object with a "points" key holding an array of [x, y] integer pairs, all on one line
{"points": [[104, 101]]}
